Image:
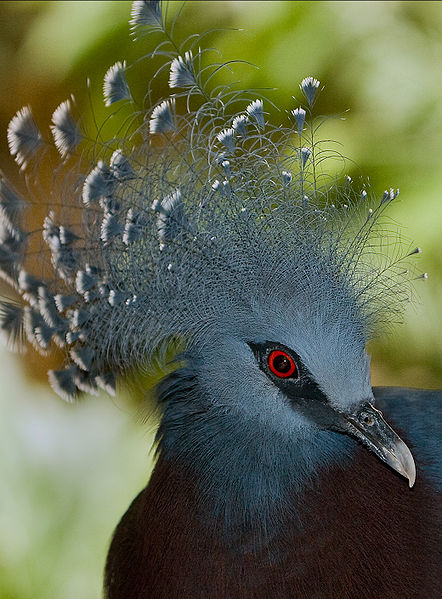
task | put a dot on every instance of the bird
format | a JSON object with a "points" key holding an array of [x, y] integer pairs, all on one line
{"points": [[204, 237]]}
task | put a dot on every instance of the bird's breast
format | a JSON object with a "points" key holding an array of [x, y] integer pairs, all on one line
{"points": [[359, 533]]}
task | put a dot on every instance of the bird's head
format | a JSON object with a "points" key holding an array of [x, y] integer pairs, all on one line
{"points": [[293, 370]]}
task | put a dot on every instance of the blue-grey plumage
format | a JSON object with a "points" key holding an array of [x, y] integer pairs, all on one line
{"points": [[208, 229]]}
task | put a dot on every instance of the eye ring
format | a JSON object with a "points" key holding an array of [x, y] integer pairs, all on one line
{"points": [[281, 364]]}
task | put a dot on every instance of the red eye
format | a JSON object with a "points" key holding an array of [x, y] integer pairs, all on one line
{"points": [[281, 364]]}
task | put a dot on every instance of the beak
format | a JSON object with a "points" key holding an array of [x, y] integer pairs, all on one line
{"points": [[368, 425]]}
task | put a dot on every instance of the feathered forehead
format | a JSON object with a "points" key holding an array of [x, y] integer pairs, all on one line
{"points": [[203, 212]]}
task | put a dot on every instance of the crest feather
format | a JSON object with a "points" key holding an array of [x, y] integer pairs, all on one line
{"points": [[203, 214]]}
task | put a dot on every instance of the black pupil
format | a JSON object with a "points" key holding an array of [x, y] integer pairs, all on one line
{"points": [[282, 364]]}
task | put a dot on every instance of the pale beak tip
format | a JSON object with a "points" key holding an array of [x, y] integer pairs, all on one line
{"points": [[399, 457], [407, 466], [412, 476]]}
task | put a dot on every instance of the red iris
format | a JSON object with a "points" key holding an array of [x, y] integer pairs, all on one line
{"points": [[281, 364]]}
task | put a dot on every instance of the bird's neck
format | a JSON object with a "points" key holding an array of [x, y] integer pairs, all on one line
{"points": [[245, 473]]}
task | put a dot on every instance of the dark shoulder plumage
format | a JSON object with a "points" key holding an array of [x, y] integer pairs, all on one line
{"points": [[418, 413]]}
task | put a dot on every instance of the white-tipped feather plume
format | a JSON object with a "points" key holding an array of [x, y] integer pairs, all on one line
{"points": [[65, 129]]}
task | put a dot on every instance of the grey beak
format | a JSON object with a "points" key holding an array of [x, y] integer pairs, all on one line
{"points": [[368, 425]]}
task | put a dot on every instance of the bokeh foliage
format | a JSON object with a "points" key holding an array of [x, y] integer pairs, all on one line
{"points": [[379, 59]]}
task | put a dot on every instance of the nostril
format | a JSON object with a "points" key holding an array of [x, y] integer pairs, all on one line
{"points": [[366, 419]]}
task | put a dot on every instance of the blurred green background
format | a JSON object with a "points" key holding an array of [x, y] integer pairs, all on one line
{"points": [[67, 473]]}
